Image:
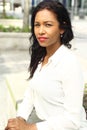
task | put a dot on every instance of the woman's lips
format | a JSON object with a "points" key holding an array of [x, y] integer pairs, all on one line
{"points": [[42, 39]]}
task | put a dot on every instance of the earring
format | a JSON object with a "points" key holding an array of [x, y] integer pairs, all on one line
{"points": [[61, 35]]}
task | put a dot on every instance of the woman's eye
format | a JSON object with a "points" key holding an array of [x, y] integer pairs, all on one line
{"points": [[36, 25], [48, 25]]}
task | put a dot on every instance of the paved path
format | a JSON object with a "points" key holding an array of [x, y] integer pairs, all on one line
{"points": [[11, 63]]}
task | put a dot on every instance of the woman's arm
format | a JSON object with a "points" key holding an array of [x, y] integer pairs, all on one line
{"points": [[26, 106]]}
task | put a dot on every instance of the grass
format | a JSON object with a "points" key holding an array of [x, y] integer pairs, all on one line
{"points": [[12, 29]]}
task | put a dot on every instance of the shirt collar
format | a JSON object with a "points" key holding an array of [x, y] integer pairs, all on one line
{"points": [[60, 52]]}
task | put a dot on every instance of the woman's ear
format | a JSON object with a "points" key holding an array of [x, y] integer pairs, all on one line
{"points": [[62, 31]]}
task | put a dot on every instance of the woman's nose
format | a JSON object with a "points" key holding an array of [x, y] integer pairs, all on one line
{"points": [[41, 30]]}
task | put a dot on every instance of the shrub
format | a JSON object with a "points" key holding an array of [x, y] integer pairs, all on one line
{"points": [[12, 29], [85, 98]]}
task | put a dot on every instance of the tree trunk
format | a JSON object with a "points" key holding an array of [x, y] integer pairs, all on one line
{"points": [[26, 16], [4, 13]]}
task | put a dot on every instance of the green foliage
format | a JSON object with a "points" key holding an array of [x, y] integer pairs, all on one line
{"points": [[86, 88], [85, 98], [13, 29], [26, 29], [9, 17]]}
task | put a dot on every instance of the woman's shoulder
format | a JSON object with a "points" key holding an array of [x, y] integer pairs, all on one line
{"points": [[69, 55]]}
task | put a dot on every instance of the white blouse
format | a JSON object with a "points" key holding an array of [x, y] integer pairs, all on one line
{"points": [[56, 92]]}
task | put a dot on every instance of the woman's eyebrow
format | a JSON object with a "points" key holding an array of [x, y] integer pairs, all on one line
{"points": [[44, 21]]}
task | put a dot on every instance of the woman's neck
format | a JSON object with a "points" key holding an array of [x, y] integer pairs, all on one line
{"points": [[50, 51]]}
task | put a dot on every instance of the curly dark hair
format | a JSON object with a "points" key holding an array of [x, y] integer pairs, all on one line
{"points": [[36, 51]]}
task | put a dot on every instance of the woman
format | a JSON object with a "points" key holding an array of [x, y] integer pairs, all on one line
{"points": [[55, 84]]}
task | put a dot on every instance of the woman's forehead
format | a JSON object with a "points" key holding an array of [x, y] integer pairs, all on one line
{"points": [[46, 15]]}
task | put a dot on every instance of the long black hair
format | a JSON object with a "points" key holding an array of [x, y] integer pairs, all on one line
{"points": [[37, 52]]}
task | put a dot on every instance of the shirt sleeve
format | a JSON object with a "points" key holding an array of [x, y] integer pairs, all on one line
{"points": [[73, 86], [26, 106]]}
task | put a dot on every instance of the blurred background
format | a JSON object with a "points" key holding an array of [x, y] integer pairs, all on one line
{"points": [[15, 17], [17, 9], [75, 7]]}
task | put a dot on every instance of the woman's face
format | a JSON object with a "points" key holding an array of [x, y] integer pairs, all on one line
{"points": [[46, 28]]}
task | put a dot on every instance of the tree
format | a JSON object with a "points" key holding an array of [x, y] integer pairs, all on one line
{"points": [[26, 16], [4, 13]]}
